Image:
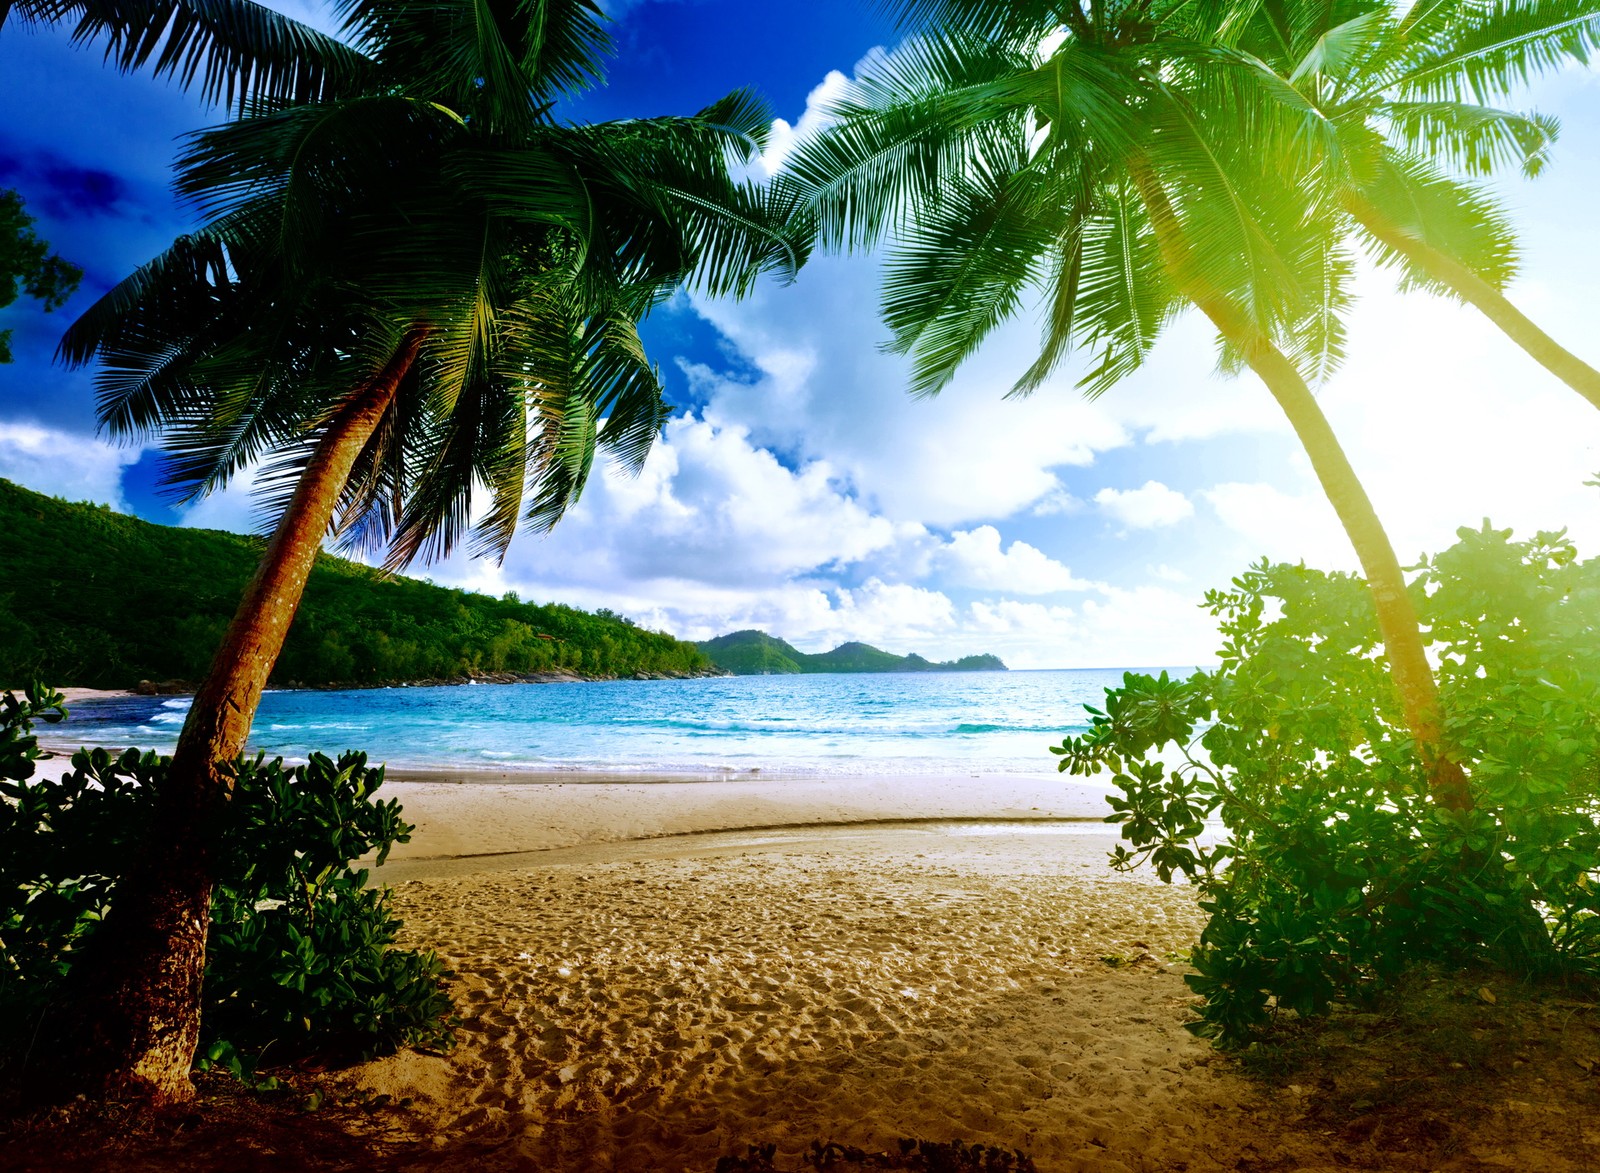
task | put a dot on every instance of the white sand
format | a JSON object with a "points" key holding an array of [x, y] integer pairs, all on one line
{"points": [[653, 1006], [490, 813], [74, 695], [649, 1005], [656, 1003]]}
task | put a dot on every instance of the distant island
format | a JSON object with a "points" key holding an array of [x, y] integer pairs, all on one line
{"points": [[95, 598], [755, 653]]}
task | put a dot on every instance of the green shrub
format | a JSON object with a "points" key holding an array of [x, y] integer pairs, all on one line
{"points": [[1325, 868], [299, 957]]}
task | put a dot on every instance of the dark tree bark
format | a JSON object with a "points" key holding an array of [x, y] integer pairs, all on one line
{"points": [[130, 1017], [1477, 292], [1397, 618]]}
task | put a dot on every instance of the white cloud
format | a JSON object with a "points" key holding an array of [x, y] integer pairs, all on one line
{"points": [[1057, 502], [896, 614], [1149, 506], [783, 137], [1447, 422], [233, 507], [64, 464], [826, 390], [1146, 627], [974, 559], [1283, 526], [711, 506]]}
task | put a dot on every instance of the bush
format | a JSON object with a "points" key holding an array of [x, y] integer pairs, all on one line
{"points": [[299, 957], [1332, 871]]}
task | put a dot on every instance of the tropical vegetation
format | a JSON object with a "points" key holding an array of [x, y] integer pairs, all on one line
{"points": [[230, 52], [27, 266], [87, 597], [300, 959], [1400, 116], [1090, 157], [1121, 162], [755, 653], [1285, 787], [413, 307], [411, 312]]}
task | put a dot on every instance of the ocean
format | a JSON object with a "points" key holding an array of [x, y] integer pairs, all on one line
{"points": [[823, 725]]}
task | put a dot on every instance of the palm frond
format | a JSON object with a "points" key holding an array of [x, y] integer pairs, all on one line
{"points": [[962, 269], [1125, 293], [1013, 21], [1461, 221], [232, 52], [1490, 48], [1473, 138]]}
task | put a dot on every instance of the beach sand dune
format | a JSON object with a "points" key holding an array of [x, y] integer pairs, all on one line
{"points": [[662, 1004]]}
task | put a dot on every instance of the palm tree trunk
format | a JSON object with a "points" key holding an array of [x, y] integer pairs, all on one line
{"points": [[1397, 618], [1475, 291], [131, 1021]]}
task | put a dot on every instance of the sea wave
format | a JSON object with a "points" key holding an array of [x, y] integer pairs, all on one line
{"points": [[347, 726], [869, 727], [820, 726]]}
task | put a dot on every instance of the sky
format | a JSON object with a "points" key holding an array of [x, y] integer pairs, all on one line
{"points": [[797, 487]]}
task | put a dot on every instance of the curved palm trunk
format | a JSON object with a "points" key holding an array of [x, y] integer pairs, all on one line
{"points": [[1477, 292], [1397, 618], [132, 1017]]}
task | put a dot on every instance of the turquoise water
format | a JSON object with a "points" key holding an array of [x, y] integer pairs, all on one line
{"points": [[822, 725]]}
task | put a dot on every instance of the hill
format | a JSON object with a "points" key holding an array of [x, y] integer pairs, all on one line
{"points": [[93, 598], [755, 653]]}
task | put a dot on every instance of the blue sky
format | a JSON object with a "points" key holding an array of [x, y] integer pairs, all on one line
{"points": [[798, 488]]}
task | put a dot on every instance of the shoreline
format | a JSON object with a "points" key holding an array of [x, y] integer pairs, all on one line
{"points": [[471, 811], [75, 696], [170, 688], [458, 817], [178, 688]]}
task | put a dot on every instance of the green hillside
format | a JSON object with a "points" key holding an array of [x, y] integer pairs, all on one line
{"points": [[93, 598], [755, 653]]}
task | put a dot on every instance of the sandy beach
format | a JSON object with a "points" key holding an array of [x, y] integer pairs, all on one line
{"points": [[481, 813], [635, 1003], [655, 1005]]}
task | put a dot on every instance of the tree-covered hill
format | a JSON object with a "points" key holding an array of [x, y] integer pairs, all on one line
{"points": [[755, 653], [93, 598]]}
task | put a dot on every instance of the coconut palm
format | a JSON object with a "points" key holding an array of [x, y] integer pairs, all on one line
{"points": [[1404, 102], [1089, 153], [414, 306], [232, 51]]}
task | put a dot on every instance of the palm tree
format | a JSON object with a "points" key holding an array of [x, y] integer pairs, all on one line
{"points": [[1088, 152], [1401, 100], [234, 51], [410, 297]]}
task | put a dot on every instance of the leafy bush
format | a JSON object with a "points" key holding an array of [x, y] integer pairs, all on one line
{"points": [[299, 957], [1331, 870]]}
